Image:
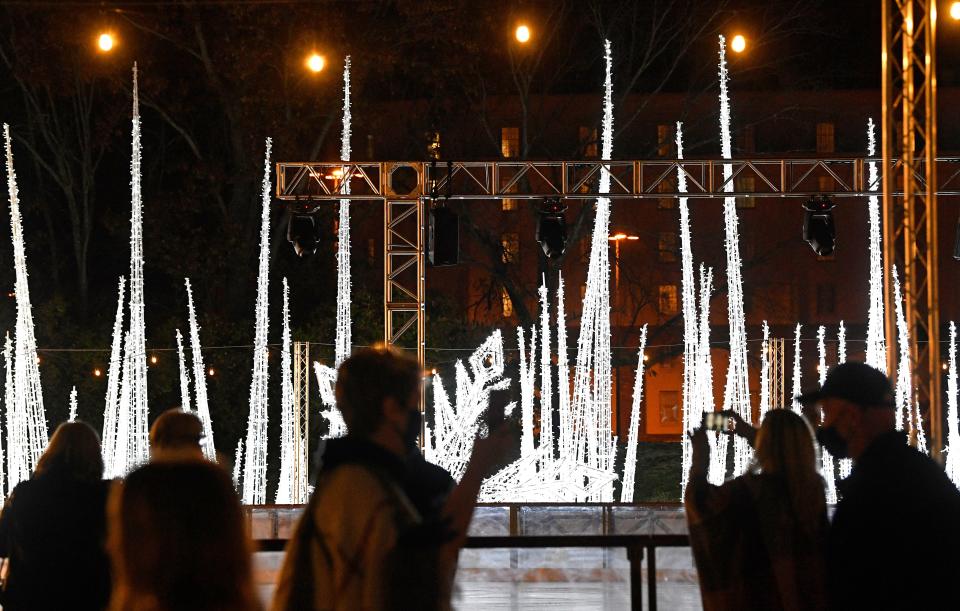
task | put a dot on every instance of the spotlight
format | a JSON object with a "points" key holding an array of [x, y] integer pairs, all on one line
{"points": [[303, 231], [819, 230], [552, 227]]}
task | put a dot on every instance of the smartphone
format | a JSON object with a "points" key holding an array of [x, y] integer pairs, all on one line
{"points": [[497, 407], [716, 421]]}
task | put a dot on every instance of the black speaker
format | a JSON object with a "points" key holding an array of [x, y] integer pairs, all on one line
{"points": [[443, 237]]}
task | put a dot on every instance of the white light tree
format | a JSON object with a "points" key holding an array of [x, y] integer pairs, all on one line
{"points": [[876, 338], [27, 392], [18, 468], [108, 438], [73, 405], [826, 460], [765, 372], [952, 462], [138, 448], [255, 460], [903, 393], [288, 428], [736, 395], [846, 464], [199, 378], [797, 382], [630, 462], [184, 374]]}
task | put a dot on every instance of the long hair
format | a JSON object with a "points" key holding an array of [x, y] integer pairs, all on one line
{"points": [[73, 452], [785, 448], [178, 541]]}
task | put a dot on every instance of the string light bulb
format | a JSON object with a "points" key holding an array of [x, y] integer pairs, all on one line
{"points": [[105, 42]]}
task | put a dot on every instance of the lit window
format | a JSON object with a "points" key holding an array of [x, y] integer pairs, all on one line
{"points": [[748, 139], [588, 141], [669, 407], [510, 243], [433, 145], [825, 138], [667, 185], [506, 303], [667, 246], [826, 183], [508, 204], [668, 299], [748, 183], [509, 142], [664, 140]]}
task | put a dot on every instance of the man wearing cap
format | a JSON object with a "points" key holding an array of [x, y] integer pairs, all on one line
{"points": [[894, 542]]}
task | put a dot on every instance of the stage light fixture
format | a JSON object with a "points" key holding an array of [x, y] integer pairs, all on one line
{"points": [[303, 231], [443, 237], [552, 227], [819, 230]]}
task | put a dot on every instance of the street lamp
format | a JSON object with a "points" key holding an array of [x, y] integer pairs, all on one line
{"points": [[955, 11], [522, 33], [106, 42], [616, 239], [316, 62], [738, 43]]}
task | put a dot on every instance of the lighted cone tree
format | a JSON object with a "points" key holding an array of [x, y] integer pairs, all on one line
{"points": [[952, 462], [27, 392], [108, 438], [255, 459], [199, 378]]}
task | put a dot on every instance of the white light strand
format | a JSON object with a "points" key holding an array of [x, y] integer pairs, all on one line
{"points": [[200, 379], [288, 429], [765, 372], [18, 468], [138, 449], [826, 460], [546, 386], [343, 331], [846, 464], [528, 376], [736, 395], [184, 374], [795, 405], [237, 464], [108, 438], [876, 339], [73, 405], [27, 392], [904, 388], [565, 441], [704, 396], [255, 463], [630, 462], [921, 436], [952, 462], [688, 301], [590, 410], [121, 453]]}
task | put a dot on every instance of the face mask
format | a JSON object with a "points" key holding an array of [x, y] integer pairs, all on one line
{"points": [[832, 442], [412, 429]]}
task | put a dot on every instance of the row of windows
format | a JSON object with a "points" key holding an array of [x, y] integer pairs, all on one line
{"points": [[666, 136], [668, 302]]}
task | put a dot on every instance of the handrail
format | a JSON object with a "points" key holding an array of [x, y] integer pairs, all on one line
{"points": [[635, 546]]}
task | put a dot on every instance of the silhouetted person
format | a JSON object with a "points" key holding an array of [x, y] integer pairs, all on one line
{"points": [[176, 434], [52, 528], [383, 528], [894, 542], [758, 540], [178, 541]]}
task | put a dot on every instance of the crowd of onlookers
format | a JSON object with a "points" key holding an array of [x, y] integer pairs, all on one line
{"points": [[383, 527]]}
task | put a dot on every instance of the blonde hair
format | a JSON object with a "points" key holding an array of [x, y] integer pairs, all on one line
{"points": [[785, 447]]}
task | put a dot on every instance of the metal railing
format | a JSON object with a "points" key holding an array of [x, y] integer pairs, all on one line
{"points": [[637, 546]]}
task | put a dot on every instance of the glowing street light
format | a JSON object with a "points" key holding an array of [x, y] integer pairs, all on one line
{"points": [[316, 62], [522, 33], [955, 11], [738, 44], [105, 42], [97, 373]]}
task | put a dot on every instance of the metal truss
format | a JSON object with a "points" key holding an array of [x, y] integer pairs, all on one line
{"points": [[777, 363], [909, 127], [637, 179], [301, 414]]}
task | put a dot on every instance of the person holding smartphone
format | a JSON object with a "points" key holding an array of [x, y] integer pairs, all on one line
{"points": [[758, 540]]}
